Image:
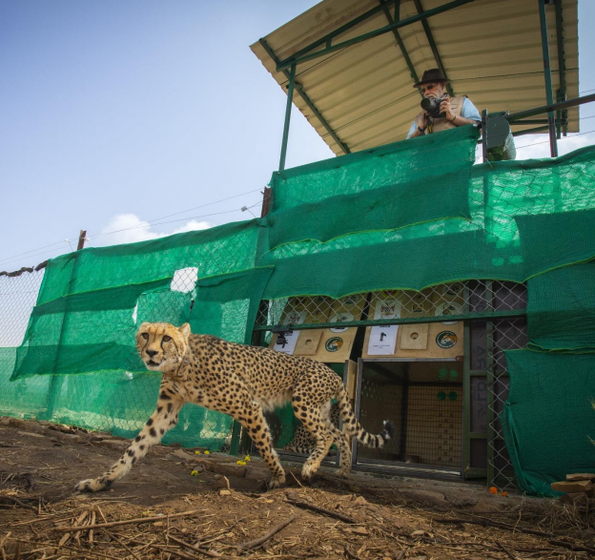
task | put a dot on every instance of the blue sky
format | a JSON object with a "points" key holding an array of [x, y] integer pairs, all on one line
{"points": [[116, 112]]}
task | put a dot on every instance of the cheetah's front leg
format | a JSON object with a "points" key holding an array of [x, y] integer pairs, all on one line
{"points": [[255, 423], [163, 419]]}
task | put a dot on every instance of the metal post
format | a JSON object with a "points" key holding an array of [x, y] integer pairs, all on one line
{"points": [[358, 407], [287, 118], [484, 135], [547, 71], [82, 239], [433, 46], [490, 381], [562, 116]]}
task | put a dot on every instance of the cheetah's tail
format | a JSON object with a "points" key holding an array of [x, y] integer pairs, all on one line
{"points": [[355, 429], [299, 449]]}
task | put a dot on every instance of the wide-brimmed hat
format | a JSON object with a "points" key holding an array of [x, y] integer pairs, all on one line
{"points": [[432, 75]]}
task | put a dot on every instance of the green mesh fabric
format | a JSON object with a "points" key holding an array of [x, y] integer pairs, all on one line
{"points": [[93, 331], [561, 309], [25, 398], [92, 301], [89, 308], [226, 305], [427, 158], [386, 208], [403, 216], [525, 218], [121, 402], [549, 420]]}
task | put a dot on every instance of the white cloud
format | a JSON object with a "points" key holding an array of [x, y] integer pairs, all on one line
{"points": [[129, 228], [193, 225]]}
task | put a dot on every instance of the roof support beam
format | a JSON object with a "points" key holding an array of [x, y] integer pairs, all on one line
{"points": [[307, 100], [433, 46], [287, 118], [547, 71], [561, 93], [397, 35], [298, 58], [327, 39]]}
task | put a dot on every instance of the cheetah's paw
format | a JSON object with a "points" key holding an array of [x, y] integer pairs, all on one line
{"points": [[307, 472], [276, 481], [93, 485], [343, 472]]}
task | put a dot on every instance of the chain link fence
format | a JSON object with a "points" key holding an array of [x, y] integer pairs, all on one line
{"points": [[430, 433], [18, 294], [119, 402], [447, 336]]}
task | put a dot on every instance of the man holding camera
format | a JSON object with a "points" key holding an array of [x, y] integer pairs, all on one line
{"points": [[440, 112]]}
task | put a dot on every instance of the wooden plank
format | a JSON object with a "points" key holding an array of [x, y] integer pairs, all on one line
{"points": [[308, 342], [445, 339], [414, 337], [337, 342]]}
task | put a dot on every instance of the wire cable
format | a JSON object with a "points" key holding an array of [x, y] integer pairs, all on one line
{"points": [[547, 141], [39, 250]]}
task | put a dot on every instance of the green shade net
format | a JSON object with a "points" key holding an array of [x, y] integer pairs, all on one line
{"points": [[25, 398], [227, 305], [561, 309], [408, 215], [92, 301], [396, 165], [386, 208], [549, 420], [86, 320], [520, 219]]}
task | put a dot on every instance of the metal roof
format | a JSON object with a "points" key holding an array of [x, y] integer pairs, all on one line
{"points": [[362, 96]]}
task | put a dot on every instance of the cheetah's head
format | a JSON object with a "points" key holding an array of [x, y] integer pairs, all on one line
{"points": [[162, 346]]}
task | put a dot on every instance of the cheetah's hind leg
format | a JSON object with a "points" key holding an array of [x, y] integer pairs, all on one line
{"points": [[312, 420]]}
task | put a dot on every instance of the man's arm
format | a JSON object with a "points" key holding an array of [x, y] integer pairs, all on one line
{"points": [[469, 113], [415, 131]]}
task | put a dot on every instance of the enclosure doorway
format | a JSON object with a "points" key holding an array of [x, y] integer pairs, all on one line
{"points": [[424, 400]]}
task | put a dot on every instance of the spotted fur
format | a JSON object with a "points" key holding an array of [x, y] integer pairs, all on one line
{"points": [[303, 441], [244, 382]]}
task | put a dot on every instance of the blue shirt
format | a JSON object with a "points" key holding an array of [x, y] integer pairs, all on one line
{"points": [[469, 111]]}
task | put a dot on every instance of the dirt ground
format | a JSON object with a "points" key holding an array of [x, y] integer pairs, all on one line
{"points": [[177, 504]]}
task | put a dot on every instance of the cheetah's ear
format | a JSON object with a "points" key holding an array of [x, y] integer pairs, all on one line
{"points": [[185, 330]]}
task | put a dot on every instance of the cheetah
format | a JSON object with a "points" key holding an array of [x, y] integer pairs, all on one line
{"points": [[244, 382], [303, 441]]}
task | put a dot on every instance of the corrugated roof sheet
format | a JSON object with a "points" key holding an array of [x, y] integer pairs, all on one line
{"points": [[491, 51]]}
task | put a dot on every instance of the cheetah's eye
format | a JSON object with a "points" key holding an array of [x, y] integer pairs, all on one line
{"points": [[166, 338], [145, 335]]}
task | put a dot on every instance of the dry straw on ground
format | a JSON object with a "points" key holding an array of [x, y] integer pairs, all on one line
{"points": [[164, 513]]}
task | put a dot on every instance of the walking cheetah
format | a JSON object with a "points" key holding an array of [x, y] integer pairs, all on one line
{"points": [[242, 381]]}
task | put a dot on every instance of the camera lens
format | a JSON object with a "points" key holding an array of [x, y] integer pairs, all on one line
{"points": [[428, 103]]}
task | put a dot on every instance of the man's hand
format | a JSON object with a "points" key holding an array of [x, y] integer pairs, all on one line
{"points": [[420, 131], [446, 109]]}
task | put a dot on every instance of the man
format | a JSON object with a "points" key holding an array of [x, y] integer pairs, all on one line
{"points": [[454, 111]]}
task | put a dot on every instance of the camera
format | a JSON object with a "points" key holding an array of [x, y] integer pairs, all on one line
{"points": [[431, 106]]}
